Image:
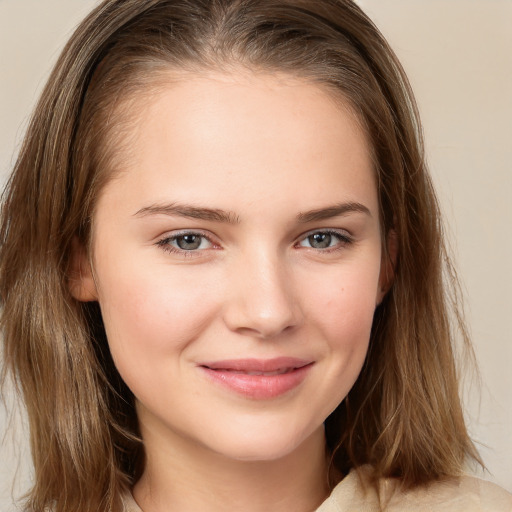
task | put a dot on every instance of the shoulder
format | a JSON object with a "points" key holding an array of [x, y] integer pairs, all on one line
{"points": [[462, 494]]}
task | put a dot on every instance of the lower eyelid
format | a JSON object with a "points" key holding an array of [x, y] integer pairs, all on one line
{"points": [[165, 242], [343, 237]]}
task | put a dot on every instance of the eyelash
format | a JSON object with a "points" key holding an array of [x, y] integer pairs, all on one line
{"points": [[344, 239], [165, 243]]}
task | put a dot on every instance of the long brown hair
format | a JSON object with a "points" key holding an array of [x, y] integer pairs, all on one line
{"points": [[403, 415]]}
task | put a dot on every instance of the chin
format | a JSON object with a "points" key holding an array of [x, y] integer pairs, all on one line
{"points": [[265, 446]]}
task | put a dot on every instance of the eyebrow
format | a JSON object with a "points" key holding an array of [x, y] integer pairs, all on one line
{"points": [[189, 211], [333, 211], [228, 217]]}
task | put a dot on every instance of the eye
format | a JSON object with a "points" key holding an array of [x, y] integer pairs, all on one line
{"points": [[185, 242], [327, 239]]}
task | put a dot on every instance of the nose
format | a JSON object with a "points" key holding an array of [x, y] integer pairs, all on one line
{"points": [[261, 301]]}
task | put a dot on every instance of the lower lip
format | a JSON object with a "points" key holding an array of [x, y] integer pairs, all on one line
{"points": [[258, 387]]}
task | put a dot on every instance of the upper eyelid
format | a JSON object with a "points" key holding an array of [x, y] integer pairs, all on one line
{"points": [[164, 241], [345, 239], [335, 231], [182, 232], [211, 238]]}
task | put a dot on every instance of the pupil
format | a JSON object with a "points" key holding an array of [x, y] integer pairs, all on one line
{"points": [[188, 242], [320, 240]]}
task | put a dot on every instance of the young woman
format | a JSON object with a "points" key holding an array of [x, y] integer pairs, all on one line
{"points": [[222, 273]]}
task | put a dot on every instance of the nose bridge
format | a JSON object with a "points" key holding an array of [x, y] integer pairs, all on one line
{"points": [[262, 301]]}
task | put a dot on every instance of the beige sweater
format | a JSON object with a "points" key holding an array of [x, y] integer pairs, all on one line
{"points": [[465, 494]]}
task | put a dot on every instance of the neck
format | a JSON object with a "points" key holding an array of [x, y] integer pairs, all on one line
{"points": [[185, 477]]}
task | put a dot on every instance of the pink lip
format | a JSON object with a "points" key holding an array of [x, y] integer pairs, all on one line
{"points": [[259, 379]]}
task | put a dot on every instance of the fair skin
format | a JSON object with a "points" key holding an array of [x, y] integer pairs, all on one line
{"points": [[243, 229]]}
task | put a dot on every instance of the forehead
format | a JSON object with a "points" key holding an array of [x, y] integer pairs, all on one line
{"points": [[244, 133]]}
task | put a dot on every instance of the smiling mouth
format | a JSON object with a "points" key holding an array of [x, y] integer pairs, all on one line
{"points": [[280, 371], [258, 379]]}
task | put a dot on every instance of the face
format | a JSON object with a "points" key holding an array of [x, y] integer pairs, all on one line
{"points": [[237, 262]]}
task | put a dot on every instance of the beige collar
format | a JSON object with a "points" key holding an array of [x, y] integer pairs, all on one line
{"points": [[354, 494]]}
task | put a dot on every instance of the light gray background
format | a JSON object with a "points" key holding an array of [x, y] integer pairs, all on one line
{"points": [[458, 54]]}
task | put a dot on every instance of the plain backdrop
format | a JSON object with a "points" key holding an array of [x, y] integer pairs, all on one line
{"points": [[458, 54]]}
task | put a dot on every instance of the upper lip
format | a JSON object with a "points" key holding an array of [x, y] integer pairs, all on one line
{"points": [[257, 365]]}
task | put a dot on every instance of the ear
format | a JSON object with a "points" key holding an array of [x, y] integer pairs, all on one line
{"points": [[80, 275], [388, 265]]}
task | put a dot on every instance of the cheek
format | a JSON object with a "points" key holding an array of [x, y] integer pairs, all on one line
{"points": [[344, 308], [150, 317], [345, 301]]}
